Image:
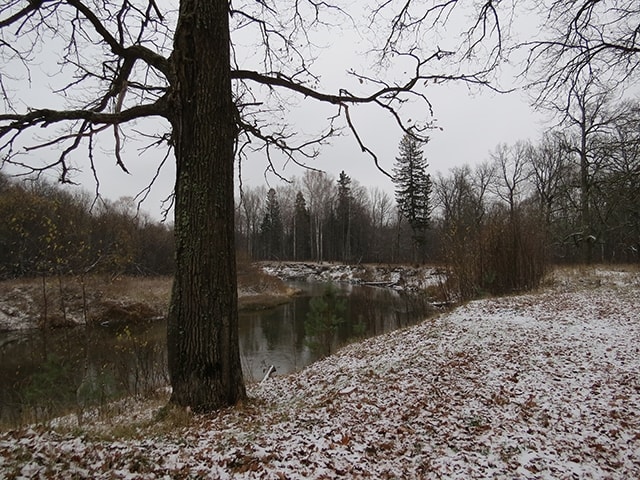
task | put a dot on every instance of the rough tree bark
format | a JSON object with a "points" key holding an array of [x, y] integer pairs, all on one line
{"points": [[127, 73], [204, 358]]}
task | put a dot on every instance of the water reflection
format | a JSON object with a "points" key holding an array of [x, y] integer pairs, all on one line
{"points": [[43, 374], [46, 373]]}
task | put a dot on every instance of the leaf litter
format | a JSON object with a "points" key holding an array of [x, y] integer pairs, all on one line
{"points": [[536, 386]]}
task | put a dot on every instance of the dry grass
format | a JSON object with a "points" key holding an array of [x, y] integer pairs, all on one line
{"points": [[571, 277], [258, 290], [151, 290], [126, 419], [73, 300], [253, 278], [68, 301]]}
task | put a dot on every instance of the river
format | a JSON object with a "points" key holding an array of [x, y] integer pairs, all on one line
{"points": [[48, 373]]}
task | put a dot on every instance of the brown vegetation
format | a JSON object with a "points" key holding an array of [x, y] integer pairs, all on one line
{"points": [[67, 301]]}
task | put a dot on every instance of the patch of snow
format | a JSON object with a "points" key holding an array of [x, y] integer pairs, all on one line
{"points": [[398, 278], [536, 386], [11, 319]]}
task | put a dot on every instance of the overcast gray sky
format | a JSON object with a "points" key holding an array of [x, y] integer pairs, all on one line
{"points": [[473, 124], [472, 121]]}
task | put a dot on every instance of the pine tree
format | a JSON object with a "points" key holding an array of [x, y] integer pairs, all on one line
{"points": [[413, 187], [326, 314]]}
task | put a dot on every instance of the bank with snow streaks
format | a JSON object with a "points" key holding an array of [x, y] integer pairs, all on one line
{"points": [[542, 385], [397, 277]]}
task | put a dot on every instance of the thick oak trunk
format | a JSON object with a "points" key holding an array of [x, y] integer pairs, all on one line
{"points": [[202, 332]]}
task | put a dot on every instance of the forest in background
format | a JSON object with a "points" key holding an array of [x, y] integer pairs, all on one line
{"points": [[572, 197], [47, 230]]}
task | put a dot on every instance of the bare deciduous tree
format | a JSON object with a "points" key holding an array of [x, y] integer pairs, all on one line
{"points": [[550, 171], [511, 173], [579, 37], [220, 77]]}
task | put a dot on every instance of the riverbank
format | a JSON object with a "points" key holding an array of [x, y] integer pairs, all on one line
{"points": [[100, 299], [408, 278], [70, 301], [542, 385]]}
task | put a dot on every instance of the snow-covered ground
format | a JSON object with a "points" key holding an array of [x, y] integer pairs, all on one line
{"points": [[398, 277], [537, 386]]}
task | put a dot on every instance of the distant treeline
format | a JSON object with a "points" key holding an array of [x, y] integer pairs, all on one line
{"points": [[572, 197], [45, 229], [541, 188]]}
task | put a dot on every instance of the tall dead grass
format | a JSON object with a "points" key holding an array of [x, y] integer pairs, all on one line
{"points": [[505, 254]]}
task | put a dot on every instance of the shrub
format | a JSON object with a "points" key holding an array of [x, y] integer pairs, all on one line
{"points": [[326, 314], [503, 254]]}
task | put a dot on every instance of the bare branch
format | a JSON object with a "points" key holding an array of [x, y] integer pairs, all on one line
{"points": [[46, 117], [130, 79], [31, 7], [362, 145], [582, 39], [137, 52]]}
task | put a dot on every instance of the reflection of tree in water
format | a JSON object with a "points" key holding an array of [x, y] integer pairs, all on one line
{"points": [[295, 314], [39, 374], [326, 314], [371, 311], [272, 337], [272, 329], [381, 310], [49, 389], [45, 374]]}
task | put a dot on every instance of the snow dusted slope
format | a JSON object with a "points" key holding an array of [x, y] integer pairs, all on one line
{"points": [[540, 386]]}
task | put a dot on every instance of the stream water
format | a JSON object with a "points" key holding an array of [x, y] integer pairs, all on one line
{"points": [[47, 373]]}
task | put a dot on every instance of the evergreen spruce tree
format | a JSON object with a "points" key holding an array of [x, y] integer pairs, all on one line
{"points": [[343, 217], [302, 229], [272, 229], [413, 187]]}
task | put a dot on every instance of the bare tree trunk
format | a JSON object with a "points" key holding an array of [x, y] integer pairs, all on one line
{"points": [[295, 231], [45, 302], [585, 214], [202, 332]]}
